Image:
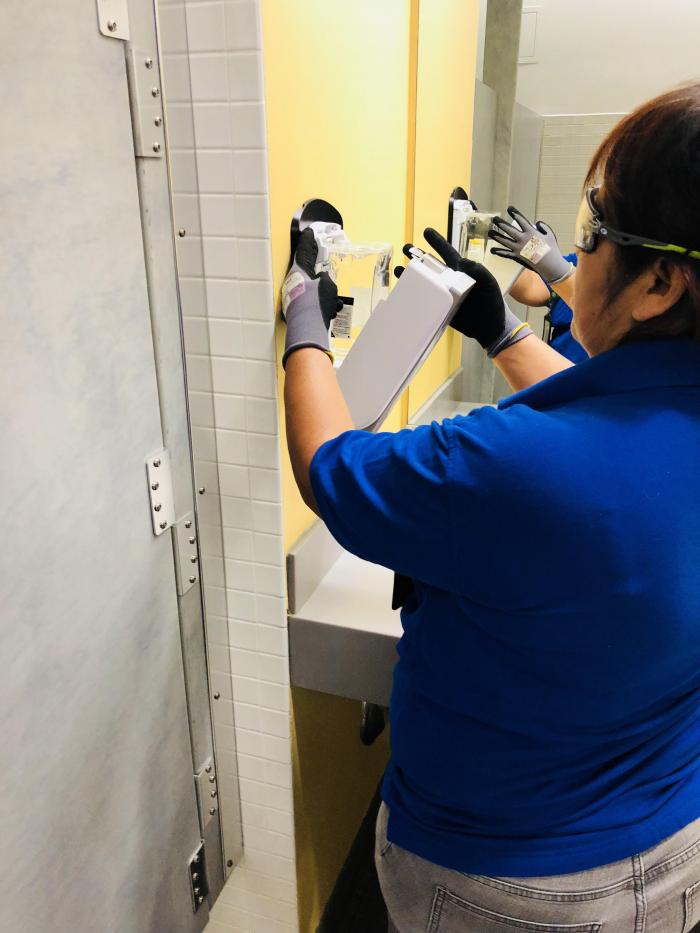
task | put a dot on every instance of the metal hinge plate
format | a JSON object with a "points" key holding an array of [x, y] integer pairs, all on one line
{"points": [[113, 18], [199, 888], [207, 793], [160, 491], [146, 101], [186, 554]]}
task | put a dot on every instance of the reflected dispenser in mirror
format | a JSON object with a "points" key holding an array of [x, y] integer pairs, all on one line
{"points": [[361, 271], [467, 227]]}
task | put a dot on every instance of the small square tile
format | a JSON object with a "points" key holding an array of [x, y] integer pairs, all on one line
{"points": [[210, 538], [274, 723], [242, 25], [243, 663], [252, 214], [270, 580], [232, 447], [221, 683], [247, 716], [172, 27], [271, 610], [212, 125], [238, 544], [261, 415], [241, 606], [192, 297], [267, 549], [257, 303], [204, 443], [202, 410], [264, 484], [251, 768], [250, 171], [205, 27], [272, 639], [219, 658], [246, 690], [229, 375], [230, 413], [245, 78], [254, 260], [213, 572], [186, 211], [240, 575], [234, 481], [273, 669], [242, 635], [264, 452], [247, 126], [199, 372], [274, 696], [215, 599], [208, 78], [267, 517], [207, 475], [220, 257], [215, 171], [226, 337], [196, 335], [217, 634], [176, 78], [259, 340], [222, 712], [189, 257], [236, 513], [222, 298], [261, 379], [181, 133], [218, 215]]}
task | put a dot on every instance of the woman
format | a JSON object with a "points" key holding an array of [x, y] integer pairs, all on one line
{"points": [[545, 768]]}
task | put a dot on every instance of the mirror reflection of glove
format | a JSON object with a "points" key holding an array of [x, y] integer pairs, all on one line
{"points": [[309, 301], [533, 246], [482, 313]]}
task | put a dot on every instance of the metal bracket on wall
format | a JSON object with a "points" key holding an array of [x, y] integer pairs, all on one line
{"points": [[146, 100], [160, 491], [186, 554], [113, 18], [207, 793], [199, 888]]}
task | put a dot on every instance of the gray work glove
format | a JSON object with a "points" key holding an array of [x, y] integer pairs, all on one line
{"points": [[309, 301], [482, 313], [534, 247]]}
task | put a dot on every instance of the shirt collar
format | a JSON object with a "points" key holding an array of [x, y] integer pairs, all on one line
{"points": [[628, 368]]}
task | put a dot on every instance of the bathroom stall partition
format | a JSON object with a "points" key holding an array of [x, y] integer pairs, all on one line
{"points": [[109, 808]]}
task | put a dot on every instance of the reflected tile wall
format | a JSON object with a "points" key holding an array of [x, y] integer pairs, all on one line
{"points": [[219, 166]]}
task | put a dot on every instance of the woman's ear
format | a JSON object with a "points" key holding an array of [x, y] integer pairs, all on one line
{"points": [[663, 285]]}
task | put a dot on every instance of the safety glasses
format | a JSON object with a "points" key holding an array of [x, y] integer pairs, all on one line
{"points": [[590, 227]]}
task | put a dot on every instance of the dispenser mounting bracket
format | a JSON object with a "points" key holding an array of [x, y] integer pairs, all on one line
{"points": [[113, 18]]}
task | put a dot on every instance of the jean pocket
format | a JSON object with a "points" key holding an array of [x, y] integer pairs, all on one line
{"points": [[453, 914], [692, 908]]}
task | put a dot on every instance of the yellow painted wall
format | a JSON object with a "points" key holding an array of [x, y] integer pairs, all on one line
{"points": [[368, 105], [447, 45]]}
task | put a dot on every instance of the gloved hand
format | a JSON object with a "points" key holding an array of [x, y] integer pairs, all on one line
{"points": [[309, 301], [482, 313], [534, 247]]}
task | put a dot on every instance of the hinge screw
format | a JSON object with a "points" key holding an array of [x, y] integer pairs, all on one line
{"points": [[217, 696], [163, 525], [155, 486], [213, 794], [148, 63], [208, 769], [155, 92], [193, 559], [212, 811], [112, 25], [197, 890], [156, 463], [229, 863], [192, 539], [196, 859], [200, 899], [195, 877], [188, 524], [193, 579], [158, 121], [181, 232], [157, 508], [156, 147], [201, 490], [211, 779]]}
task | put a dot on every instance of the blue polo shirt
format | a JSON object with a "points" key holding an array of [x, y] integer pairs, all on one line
{"points": [[545, 713], [561, 317]]}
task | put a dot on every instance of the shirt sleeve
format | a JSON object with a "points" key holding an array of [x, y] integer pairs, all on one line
{"points": [[386, 498]]}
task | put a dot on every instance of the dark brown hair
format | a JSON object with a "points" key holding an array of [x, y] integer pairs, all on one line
{"points": [[649, 167]]}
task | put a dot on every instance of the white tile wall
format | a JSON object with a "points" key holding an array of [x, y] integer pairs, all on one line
{"points": [[213, 78], [568, 143]]}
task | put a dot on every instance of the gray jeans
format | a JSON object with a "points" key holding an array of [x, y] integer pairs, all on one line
{"points": [[657, 891]]}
